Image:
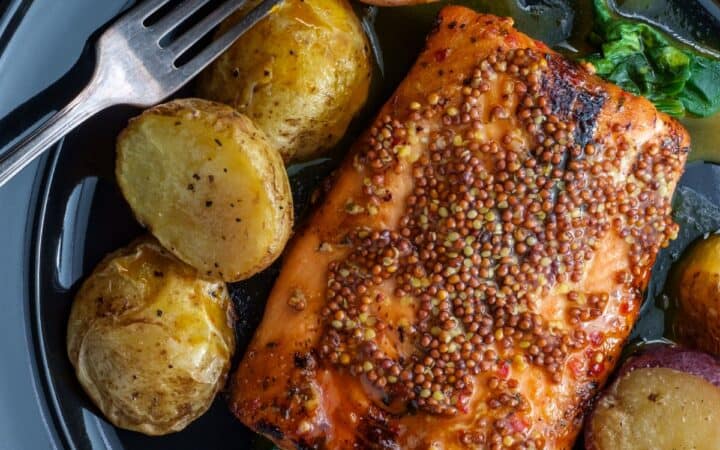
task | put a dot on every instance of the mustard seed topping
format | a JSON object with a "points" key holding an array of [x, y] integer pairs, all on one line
{"points": [[491, 226]]}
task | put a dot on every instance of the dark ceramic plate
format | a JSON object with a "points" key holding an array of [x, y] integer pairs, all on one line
{"points": [[79, 214]]}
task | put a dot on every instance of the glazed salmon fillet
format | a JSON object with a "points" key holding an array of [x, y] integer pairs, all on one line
{"points": [[477, 262]]}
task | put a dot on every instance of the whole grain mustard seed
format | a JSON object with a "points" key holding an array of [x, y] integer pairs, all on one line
{"points": [[490, 225]]}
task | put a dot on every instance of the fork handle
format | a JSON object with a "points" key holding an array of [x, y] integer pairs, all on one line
{"points": [[22, 153]]}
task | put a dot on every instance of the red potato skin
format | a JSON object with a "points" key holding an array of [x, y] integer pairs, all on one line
{"points": [[669, 357], [674, 357]]}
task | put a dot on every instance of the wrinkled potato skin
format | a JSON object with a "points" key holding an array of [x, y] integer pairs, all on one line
{"points": [[150, 341], [301, 75], [208, 185], [696, 288]]}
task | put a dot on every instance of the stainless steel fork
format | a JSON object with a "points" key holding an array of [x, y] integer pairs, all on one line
{"points": [[133, 68]]}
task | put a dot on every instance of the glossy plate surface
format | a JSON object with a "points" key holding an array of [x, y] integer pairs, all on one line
{"points": [[78, 215]]}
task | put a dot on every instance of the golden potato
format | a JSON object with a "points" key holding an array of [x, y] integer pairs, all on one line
{"points": [[301, 75], [208, 185], [657, 408], [663, 397], [695, 284], [150, 340]]}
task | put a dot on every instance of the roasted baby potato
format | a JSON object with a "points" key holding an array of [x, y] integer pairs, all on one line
{"points": [[695, 284], [208, 185], [665, 398], [150, 339], [301, 74]]}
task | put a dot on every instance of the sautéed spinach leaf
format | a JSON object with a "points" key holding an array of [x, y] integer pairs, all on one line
{"points": [[643, 60]]}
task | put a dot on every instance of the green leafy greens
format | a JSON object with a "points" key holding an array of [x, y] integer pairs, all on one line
{"points": [[642, 60]]}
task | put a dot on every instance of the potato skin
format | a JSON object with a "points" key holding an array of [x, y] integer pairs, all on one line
{"points": [[301, 75], [208, 185], [695, 286], [150, 340], [675, 357], [662, 371]]}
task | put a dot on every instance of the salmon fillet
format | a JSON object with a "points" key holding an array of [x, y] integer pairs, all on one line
{"points": [[478, 262]]}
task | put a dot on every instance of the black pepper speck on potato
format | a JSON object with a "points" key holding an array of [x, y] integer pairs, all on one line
{"points": [[301, 75], [208, 185], [151, 339], [664, 398]]}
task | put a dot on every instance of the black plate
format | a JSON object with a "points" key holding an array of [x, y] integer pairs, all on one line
{"points": [[79, 216]]}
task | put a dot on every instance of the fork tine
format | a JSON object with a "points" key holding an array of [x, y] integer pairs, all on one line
{"points": [[209, 53], [144, 9], [177, 16], [200, 29]]}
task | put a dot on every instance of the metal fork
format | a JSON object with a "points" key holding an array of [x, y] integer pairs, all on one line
{"points": [[133, 68]]}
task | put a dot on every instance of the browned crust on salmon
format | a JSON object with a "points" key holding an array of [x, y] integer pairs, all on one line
{"points": [[478, 263]]}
